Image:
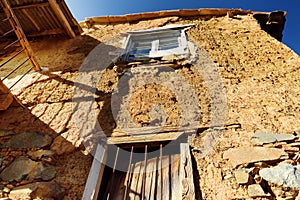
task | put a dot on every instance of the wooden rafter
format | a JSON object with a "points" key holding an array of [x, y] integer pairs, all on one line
{"points": [[56, 8], [33, 5], [20, 33]]}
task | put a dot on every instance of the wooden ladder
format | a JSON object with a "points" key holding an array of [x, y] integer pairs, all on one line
{"points": [[6, 97]]}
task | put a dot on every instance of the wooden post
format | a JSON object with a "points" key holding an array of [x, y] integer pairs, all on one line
{"points": [[96, 173], [55, 6], [20, 34]]}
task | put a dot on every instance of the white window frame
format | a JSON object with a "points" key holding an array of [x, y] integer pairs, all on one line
{"points": [[152, 36]]}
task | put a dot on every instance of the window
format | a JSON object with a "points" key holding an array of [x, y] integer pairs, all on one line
{"points": [[155, 43]]}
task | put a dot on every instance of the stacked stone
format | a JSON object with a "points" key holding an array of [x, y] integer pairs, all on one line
{"points": [[268, 169]]}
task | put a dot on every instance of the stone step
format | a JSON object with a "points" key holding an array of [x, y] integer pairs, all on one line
{"points": [[5, 101]]}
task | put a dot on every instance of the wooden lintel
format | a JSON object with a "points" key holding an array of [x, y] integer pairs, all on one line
{"points": [[129, 132], [62, 18], [186, 172], [20, 33], [28, 6], [156, 137], [96, 173]]}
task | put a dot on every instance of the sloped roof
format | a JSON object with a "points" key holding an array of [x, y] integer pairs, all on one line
{"points": [[41, 17]]}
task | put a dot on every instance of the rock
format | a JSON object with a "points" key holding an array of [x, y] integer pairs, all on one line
{"points": [[285, 175], [28, 140], [255, 190], [289, 161], [241, 176], [61, 146], [36, 155], [264, 138], [39, 190], [6, 190], [24, 168], [228, 176], [244, 155], [18, 170], [45, 172]]}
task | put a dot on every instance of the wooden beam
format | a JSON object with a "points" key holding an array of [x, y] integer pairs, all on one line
{"points": [[186, 173], [129, 132], [62, 18], [96, 173], [28, 6], [47, 32], [156, 137], [68, 12], [31, 19], [20, 34]]}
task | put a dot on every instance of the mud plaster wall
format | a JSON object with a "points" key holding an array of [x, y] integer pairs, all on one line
{"points": [[261, 77]]}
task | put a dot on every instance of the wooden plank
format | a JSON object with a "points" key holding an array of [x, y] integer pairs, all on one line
{"points": [[31, 19], [20, 34], [29, 6], [159, 180], [186, 173], [56, 8], [154, 180], [149, 177], [166, 177], [134, 182], [128, 181], [138, 195], [175, 177], [144, 138], [128, 132], [68, 13], [96, 173]]}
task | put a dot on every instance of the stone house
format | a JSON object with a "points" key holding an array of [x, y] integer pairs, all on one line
{"points": [[187, 94]]}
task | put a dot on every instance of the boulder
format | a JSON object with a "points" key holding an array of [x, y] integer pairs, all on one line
{"points": [[241, 176], [255, 190], [61, 146], [38, 190], [28, 140], [285, 175], [24, 168], [36, 155], [264, 138]]}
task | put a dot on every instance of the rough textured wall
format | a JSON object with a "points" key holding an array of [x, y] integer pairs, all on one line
{"points": [[261, 77]]}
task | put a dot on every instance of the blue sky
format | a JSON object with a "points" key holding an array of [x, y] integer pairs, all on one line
{"points": [[88, 8]]}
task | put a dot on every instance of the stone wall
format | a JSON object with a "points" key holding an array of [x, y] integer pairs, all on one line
{"points": [[260, 74]]}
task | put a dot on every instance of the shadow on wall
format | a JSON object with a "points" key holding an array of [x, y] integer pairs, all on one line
{"points": [[27, 141]]}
